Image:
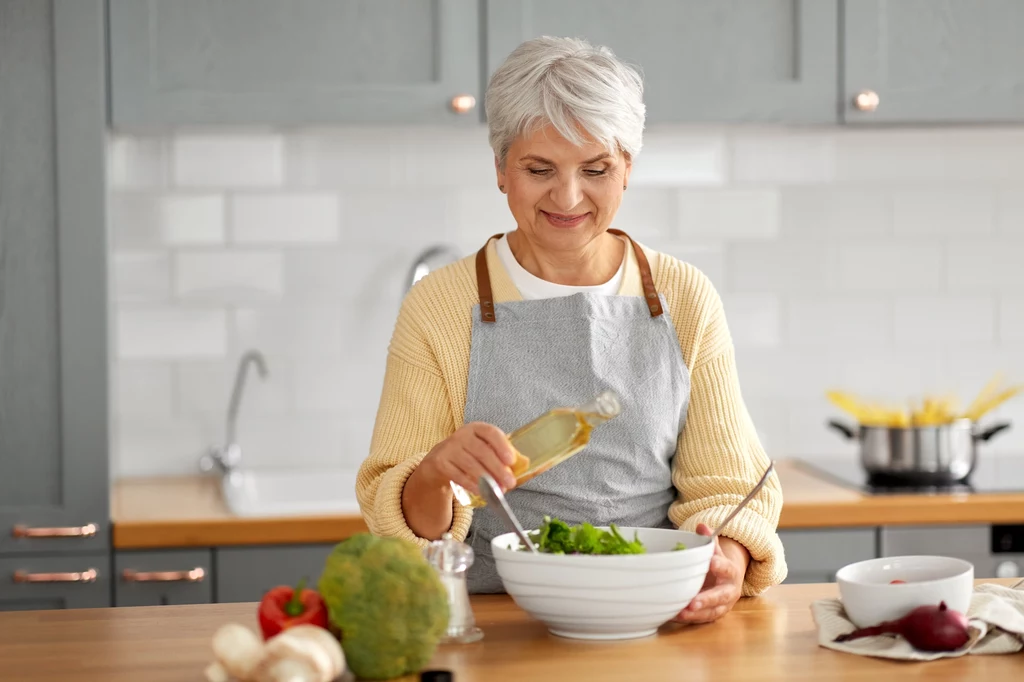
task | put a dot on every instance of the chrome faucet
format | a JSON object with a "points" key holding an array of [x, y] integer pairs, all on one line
{"points": [[228, 456], [430, 259]]}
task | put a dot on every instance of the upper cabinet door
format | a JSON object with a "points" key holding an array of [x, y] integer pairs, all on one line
{"points": [[53, 305], [934, 61], [708, 62], [300, 62]]}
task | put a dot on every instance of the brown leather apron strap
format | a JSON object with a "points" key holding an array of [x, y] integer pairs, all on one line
{"points": [[483, 279], [650, 293], [483, 282]]}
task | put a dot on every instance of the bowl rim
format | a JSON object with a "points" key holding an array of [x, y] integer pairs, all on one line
{"points": [[706, 547], [842, 575]]}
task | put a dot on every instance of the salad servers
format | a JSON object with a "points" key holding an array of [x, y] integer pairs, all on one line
{"points": [[746, 500], [491, 492]]}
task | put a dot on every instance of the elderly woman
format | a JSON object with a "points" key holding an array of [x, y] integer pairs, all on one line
{"points": [[550, 314]]}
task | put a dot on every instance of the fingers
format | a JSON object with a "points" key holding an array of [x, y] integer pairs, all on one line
{"points": [[495, 439], [703, 529]]}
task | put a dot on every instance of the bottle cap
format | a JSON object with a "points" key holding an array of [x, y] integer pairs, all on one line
{"points": [[437, 676]]}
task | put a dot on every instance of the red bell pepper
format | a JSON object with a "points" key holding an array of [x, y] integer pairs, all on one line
{"points": [[284, 607]]}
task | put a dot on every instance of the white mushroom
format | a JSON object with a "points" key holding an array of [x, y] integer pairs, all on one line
{"points": [[238, 651], [304, 653]]}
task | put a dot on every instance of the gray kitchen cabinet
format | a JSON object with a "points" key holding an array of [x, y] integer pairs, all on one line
{"points": [[72, 581], [159, 578], [715, 62], [244, 574], [934, 61], [815, 555], [53, 297], [970, 542], [303, 62]]}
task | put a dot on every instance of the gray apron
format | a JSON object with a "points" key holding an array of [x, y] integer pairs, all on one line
{"points": [[530, 356]]}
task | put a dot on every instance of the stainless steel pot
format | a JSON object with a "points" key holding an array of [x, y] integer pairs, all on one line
{"points": [[922, 455]]}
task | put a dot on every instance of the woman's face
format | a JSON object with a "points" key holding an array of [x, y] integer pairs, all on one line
{"points": [[562, 196]]}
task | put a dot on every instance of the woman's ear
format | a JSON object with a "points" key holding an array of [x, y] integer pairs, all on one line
{"points": [[629, 168], [500, 173]]}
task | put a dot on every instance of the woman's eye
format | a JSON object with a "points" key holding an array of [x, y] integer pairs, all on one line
{"points": [[540, 171], [595, 173]]}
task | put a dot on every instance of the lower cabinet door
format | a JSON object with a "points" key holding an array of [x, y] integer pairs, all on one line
{"points": [[814, 555], [67, 581], [244, 574], [156, 578]]}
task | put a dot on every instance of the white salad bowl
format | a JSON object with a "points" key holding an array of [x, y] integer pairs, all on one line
{"points": [[606, 597], [870, 598]]}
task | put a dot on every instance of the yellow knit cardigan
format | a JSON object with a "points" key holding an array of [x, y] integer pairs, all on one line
{"points": [[719, 457]]}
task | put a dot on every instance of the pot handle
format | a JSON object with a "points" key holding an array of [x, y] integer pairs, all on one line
{"points": [[844, 429], [991, 431]]}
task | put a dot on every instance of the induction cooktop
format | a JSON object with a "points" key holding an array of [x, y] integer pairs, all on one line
{"points": [[1002, 474]]}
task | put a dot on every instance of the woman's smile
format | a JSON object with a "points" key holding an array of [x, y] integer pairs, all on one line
{"points": [[565, 220]]}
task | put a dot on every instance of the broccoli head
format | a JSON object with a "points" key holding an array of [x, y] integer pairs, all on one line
{"points": [[388, 603]]}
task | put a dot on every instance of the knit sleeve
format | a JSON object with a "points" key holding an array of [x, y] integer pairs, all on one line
{"points": [[415, 413], [719, 458]]}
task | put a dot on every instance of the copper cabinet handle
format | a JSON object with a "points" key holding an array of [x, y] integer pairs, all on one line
{"points": [[193, 576], [866, 100], [87, 576], [86, 531], [462, 104]]}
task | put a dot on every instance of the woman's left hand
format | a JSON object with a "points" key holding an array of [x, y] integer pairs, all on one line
{"points": [[723, 585]]}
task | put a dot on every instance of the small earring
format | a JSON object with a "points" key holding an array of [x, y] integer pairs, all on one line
{"points": [[501, 187], [624, 187]]}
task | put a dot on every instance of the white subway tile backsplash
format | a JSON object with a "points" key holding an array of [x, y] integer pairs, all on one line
{"points": [[938, 320], [170, 333], [672, 159], [144, 388], [141, 276], [729, 214], [938, 212], [837, 321], [1010, 212], [294, 331], [783, 267], [800, 158], [985, 265], [137, 162], [228, 160], [285, 218], [647, 214], [891, 266], [161, 445], [192, 220], [1011, 319], [882, 262], [824, 213], [229, 276], [204, 387], [144, 220], [753, 319]]}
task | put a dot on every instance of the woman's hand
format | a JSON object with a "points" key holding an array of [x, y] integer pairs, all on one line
{"points": [[469, 452], [723, 585]]}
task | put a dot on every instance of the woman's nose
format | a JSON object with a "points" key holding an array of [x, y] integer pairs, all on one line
{"points": [[567, 193]]}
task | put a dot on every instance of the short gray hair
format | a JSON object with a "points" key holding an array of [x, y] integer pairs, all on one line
{"points": [[566, 82]]}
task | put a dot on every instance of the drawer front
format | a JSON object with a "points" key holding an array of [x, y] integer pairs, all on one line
{"points": [[244, 574], [816, 555], [31, 582], [156, 578], [971, 543]]}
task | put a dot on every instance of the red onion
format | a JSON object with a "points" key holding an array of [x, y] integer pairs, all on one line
{"points": [[927, 628]]}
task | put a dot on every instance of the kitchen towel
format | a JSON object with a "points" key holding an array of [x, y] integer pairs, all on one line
{"points": [[996, 618]]}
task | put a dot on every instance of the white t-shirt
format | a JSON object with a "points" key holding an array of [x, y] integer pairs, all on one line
{"points": [[533, 287]]}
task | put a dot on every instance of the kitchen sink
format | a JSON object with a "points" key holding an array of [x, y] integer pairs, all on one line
{"points": [[289, 492]]}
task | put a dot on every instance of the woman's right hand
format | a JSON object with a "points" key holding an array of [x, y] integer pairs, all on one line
{"points": [[469, 452]]}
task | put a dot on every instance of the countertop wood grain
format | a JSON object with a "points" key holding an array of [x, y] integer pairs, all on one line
{"points": [[768, 638], [189, 512]]}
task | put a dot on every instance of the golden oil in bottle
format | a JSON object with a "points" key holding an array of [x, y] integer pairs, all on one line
{"points": [[551, 439]]}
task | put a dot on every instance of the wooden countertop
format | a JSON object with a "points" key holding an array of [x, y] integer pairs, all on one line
{"points": [[189, 512], [769, 638]]}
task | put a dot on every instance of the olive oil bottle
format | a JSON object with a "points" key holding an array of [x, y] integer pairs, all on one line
{"points": [[550, 439]]}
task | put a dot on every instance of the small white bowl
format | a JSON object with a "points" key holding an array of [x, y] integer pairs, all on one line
{"points": [[606, 597], [869, 598]]}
